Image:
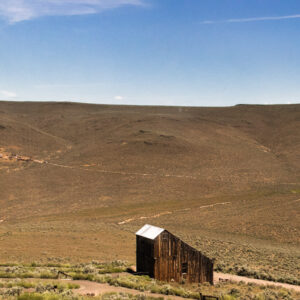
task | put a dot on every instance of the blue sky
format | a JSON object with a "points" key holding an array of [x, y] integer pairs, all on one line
{"points": [[151, 52]]}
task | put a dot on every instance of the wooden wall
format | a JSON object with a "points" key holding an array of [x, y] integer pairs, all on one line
{"points": [[168, 258]]}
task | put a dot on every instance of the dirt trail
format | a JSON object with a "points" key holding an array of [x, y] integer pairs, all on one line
{"points": [[95, 288], [122, 173], [15, 157], [88, 287], [215, 204], [170, 212], [221, 276]]}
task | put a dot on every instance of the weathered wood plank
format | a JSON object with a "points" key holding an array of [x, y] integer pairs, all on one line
{"points": [[167, 258]]}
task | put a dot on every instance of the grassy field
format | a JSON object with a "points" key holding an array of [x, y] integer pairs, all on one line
{"points": [[226, 180], [17, 283]]}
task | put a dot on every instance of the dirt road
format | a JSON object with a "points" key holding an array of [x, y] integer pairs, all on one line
{"points": [[88, 287], [222, 276], [95, 288]]}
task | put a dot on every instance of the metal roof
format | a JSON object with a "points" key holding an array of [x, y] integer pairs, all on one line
{"points": [[149, 231]]}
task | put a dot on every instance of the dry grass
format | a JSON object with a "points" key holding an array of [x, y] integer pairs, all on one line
{"points": [[18, 289]]}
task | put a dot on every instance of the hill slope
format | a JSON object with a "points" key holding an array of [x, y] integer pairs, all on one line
{"points": [[96, 173]]}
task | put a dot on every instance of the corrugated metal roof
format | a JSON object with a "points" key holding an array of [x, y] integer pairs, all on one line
{"points": [[149, 231]]}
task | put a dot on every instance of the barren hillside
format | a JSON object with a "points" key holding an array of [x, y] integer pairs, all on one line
{"points": [[94, 173]]}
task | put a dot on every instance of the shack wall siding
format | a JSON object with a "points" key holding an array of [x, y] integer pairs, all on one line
{"points": [[168, 255]]}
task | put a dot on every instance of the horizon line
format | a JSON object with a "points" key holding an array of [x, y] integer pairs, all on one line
{"points": [[146, 105]]}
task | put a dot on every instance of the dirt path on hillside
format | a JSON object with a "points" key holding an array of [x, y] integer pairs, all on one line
{"points": [[170, 212], [230, 277], [121, 172], [8, 156]]}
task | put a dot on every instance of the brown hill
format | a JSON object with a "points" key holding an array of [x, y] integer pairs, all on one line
{"points": [[98, 172]]}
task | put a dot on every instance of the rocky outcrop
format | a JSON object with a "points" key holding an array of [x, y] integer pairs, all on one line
{"points": [[21, 158]]}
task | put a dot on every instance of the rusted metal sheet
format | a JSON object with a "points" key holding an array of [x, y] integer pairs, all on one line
{"points": [[167, 258]]}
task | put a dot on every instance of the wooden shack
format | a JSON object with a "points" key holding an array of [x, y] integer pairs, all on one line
{"points": [[165, 257]]}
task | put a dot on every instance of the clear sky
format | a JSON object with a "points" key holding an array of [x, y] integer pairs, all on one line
{"points": [[151, 52]]}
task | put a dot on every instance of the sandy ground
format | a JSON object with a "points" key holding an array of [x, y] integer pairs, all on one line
{"points": [[222, 276]]}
